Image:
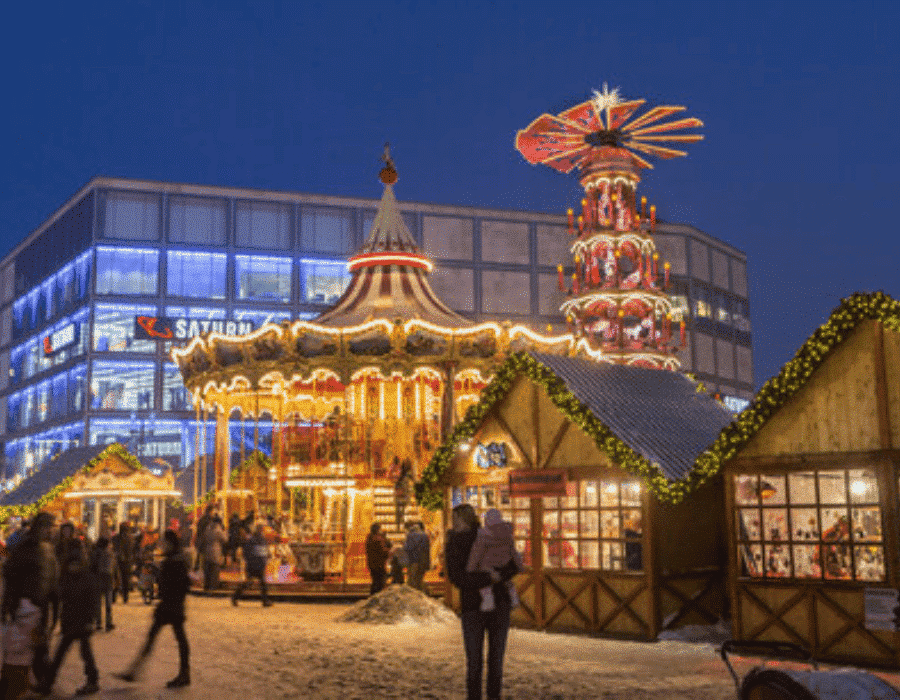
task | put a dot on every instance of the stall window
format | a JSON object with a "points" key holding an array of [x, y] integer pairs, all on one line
{"points": [[818, 524], [263, 278], [117, 386], [481, 498], [127, 271], [195, 274], [323, 280], [598, 525], [114, 328]]}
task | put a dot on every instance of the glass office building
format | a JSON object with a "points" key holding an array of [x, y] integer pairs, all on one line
{"points": [[93, 300]]}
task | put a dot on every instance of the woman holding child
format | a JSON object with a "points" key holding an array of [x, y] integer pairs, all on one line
{"points": [[475, 620]]}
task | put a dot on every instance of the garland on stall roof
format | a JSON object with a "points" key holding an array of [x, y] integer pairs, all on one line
{"points": [[429, 491], [28, 510], [776, 392]]}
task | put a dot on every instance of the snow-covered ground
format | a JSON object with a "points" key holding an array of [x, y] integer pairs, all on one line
{"points": [[299, 650]]}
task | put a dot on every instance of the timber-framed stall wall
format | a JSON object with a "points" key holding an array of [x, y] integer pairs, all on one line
{"points": [[812, 505], [607, 557]]}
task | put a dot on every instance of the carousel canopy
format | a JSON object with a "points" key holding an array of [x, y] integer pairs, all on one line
{"points": [[390, 278]]}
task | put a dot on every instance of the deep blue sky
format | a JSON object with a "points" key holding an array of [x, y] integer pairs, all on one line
{"points": [[800, 101]]}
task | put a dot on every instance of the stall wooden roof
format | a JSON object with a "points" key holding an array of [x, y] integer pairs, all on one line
{"points": [[651, 423]]}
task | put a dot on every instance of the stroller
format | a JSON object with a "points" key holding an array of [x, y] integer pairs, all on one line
{"points": [[769, 683]]}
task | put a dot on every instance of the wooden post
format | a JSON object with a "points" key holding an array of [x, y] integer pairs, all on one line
{"points": [[649, 540], [881, 393]]}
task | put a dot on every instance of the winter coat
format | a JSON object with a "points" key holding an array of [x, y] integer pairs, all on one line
{"points": [[256, 554], [123, 544], [378, 551], [213, 540], [456, 552], [418, 547], [174, 584], [202, 524], [30, 572], [493, 548], [103, 567], [78, 592]]}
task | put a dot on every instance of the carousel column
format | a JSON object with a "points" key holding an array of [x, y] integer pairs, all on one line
{"points": [[277, 465], [448, 401], [203, 459], [197, 459], [154, 513], [97, 515], [225, 449]]}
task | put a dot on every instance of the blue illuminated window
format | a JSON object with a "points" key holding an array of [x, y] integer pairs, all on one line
{"points": [[45, 305], [16, 364], [131, 216], [59, 404], [261, 318], [263, 225], [33, 302], [172, 441], [175, 396], [127, 270], [83, 267], [64, 288], [13, 412], [196, 220], [262, 278], [327, 230], [19, 317], [42, 402], [323, 280], [196, 274], [120, 386], [114, 328], [76, 388]]}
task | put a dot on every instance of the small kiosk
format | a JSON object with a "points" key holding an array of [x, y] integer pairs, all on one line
{"points": [[594, 465], [811, 474], [98, 486]]}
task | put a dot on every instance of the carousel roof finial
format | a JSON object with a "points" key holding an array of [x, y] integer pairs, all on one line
{"points": [[388, 174]]}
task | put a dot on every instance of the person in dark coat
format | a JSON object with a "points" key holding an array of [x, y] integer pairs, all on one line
{"points": [[200, 534], [235, 539], [103, 568], [378, 551], [123, 546], [475, 622], [78, 598], [173, 588], [29, 583], [256, 554]]}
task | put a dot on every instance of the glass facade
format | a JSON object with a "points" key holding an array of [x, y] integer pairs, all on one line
{"points": [[74, 370]]}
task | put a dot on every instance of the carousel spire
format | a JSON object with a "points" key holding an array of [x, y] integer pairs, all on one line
{"points": [[390, 272]]}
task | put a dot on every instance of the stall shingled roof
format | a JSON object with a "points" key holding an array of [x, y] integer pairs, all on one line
{"points": [[653, 424]]}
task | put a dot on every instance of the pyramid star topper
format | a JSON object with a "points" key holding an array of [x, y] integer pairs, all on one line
{"points": [[605, 99]]}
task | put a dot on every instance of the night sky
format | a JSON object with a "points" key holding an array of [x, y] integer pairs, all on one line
{"points": [[800, 101]]}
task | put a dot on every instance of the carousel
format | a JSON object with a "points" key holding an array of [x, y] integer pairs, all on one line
{"points": [[358, 400]]}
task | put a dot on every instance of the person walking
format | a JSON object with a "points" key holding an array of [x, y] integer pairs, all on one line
{"points": [[173, 588], [200, 533], [256, 554], [378, 551], [29, 582], [123, 547], [418, 554], [103, 566], [79, 599], [213, 541], [476, 622], [235, 538]]}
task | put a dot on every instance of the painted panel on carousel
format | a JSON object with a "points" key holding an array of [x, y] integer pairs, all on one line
{"points": [[373, 343], [316, 345], [228, 354], [267, 348], [479, 345], [422, 343]]}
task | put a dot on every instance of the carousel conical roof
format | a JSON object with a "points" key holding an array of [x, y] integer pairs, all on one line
{"points": [[390, 278]]}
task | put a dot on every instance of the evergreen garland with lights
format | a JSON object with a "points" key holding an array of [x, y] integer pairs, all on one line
{"points": [[773, 395]]}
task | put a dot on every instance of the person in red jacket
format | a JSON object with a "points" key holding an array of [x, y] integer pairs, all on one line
{"points": [[378, 551]]}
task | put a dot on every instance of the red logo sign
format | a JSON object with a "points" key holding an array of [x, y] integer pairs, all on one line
{"points": [[161, 331]]}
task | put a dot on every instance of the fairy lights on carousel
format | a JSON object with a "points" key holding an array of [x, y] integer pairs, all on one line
{"points": [[617, 296]]}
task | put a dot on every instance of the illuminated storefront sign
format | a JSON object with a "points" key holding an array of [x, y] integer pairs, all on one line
{"points": [[163, 328], [63, 338], [529, 483]]}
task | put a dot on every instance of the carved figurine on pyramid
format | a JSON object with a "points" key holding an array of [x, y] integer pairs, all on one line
{"points": [[617, 298]]}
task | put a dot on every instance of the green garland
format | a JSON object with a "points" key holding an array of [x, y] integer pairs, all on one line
{"points": [[796, 373], [773, 395], [28, 510], [255, 458]]}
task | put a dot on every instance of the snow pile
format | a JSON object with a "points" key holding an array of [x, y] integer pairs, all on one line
{"points": [[710, 634], [398, 604]]}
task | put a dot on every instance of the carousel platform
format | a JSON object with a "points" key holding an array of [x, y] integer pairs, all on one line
{"points": [[331, 588]]}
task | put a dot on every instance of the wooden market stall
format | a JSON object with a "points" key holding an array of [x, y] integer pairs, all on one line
{"points": [[98, 486], [811, 469], [594, 465]]}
